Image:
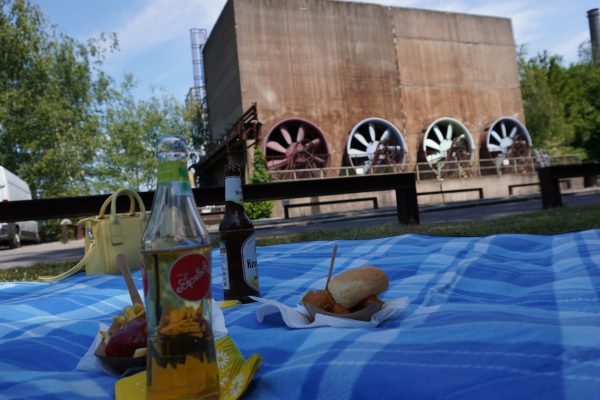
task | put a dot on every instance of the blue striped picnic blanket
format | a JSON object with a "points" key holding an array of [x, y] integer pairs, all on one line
{"points": [[498, 317]]}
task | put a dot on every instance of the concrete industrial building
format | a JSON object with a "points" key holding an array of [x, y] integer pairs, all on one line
{"points": [[348, 87]]}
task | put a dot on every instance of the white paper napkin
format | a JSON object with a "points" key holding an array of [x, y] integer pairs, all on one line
{"points": [[298, 317], [89, 362]]}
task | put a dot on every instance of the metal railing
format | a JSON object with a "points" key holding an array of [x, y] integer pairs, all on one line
{"points": [[407, 206], [423, 171]]}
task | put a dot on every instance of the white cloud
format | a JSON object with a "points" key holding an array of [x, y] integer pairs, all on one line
{"points": [[160, 24], [569, 47], [437, 5], [526, 19], [396, 3], [532, 22], [162, 21], [525, 16]]}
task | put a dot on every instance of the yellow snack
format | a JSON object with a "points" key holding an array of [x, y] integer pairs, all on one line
{"points": [[180, 321], [128, 314]]}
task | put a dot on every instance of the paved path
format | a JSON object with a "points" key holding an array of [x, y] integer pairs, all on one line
{"points": [[443, 213], [430, 214], [46, 253]]}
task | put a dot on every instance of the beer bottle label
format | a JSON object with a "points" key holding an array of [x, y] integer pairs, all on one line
{"points": [[224, 264], [233, 189], [250, 266]]}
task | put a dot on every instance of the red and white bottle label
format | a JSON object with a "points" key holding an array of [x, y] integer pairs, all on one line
{"points": [[189, 277]]}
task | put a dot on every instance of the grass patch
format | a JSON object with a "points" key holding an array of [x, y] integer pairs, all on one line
{"points": [[546, 222], [32, 273], [554, 221]]}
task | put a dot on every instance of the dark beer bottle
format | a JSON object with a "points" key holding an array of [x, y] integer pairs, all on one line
{"points": [[238, 243]]}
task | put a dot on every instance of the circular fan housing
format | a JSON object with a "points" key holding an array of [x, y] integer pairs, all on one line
{"points": [[447, 140], [375, 141], [507, 137], [296, 144]]}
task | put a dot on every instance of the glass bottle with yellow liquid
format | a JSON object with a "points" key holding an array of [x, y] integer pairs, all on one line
{"points": [[181, 361]]}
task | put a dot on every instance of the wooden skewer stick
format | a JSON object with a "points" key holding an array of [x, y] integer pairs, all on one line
{"points": [[333, 254], [133, 292]]}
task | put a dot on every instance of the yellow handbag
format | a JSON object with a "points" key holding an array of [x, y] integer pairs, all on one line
{"points": [[107, 236]]}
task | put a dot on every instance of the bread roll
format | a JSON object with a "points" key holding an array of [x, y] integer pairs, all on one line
{"points": [[354, 285]]}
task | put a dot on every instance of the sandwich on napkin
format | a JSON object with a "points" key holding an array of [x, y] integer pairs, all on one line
{"points": [[350, 291]]}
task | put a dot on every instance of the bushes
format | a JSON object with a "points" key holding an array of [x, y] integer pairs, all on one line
{"points": [[259, 209]]}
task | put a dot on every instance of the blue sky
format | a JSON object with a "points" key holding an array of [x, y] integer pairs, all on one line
{"points": [[155, 40]]}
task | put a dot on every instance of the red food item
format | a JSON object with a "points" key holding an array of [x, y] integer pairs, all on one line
{"points": [[125, 341]]}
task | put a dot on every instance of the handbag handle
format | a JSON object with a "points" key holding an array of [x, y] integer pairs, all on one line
{"points": [[80, 266], [133, 197], [109, 199], [116, 236]]}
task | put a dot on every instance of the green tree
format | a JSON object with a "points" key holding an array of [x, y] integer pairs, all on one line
{"points": [[583, 102], [196, 115], [51, 92], [542, 89], [562, 104], [259, 209], [132, 127], [66, 127]]}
